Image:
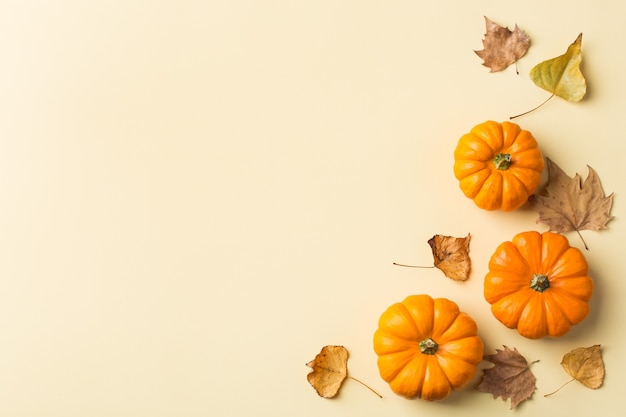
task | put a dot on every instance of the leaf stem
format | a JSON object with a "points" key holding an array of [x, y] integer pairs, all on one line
{"points": [[581, 238], [533, 109], [365, 385], [413, 266], [559, 388]]}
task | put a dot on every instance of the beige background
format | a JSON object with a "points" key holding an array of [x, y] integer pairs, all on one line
{"points": [[196, 196]]}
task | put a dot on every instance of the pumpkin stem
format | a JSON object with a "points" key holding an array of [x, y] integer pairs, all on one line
{"points": [[539, 282], [428, 346], [502, 161]]}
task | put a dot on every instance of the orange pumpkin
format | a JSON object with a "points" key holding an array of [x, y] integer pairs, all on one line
{"points": [[538, 284], [498, 165], [426, 347]]}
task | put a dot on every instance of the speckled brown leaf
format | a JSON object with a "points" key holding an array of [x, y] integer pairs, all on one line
{"points": [[502, 47], [510, 377], [451, 255], [566, 204], [329, 370]]}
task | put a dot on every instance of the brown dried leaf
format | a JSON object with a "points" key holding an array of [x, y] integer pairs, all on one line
{"points": [[330, 369], [451, 255], [510, 377], [502, 47], [585, 365], [565, 205]]}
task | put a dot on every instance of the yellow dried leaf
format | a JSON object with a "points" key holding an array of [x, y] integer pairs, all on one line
{"points": [[330, 369], [585, 365], [561, 75]]}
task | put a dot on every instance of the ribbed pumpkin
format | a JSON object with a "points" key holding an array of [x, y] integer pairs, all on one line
{"points": [[426, 347], [538, 284], [498, 165]]}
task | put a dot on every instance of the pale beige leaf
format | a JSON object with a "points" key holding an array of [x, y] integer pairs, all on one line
{"points": [[566, 203]]}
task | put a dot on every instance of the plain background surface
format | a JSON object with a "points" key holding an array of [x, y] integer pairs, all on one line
{"points": [[196, 196]]}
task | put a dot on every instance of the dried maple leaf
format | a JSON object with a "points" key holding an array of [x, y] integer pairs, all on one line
{"points": [[585, 365], [565, 205], [502, 47], [329, 370], [510, 377], [451, 255]]}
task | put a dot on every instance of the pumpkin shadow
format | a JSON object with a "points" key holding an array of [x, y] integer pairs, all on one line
{"points": [[466, 395]]}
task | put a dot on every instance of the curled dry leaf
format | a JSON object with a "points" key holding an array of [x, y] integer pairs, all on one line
{"points": [[584, 365], [502, 47], [329, 370], [561, 76], [566, 204], [451, 255], [510, 377]]}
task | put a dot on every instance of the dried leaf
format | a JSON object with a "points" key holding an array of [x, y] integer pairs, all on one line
{"points": [[502, 47], [561, 75], [565, 205], [451, 255], [330, 369], [585, 365], [510, 377]]}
